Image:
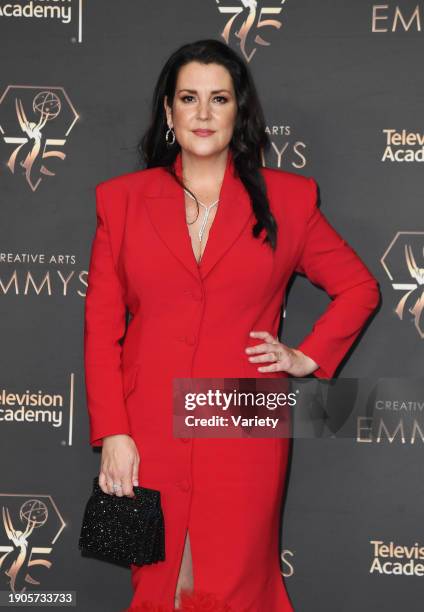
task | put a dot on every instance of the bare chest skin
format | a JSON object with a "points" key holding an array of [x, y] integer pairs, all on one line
{"points": [[195, 217]]}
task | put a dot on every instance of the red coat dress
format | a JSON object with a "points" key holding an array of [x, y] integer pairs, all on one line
{"points": [[193, 320]]}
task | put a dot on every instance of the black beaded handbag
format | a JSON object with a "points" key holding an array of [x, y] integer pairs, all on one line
{"points": [[123, 530]]}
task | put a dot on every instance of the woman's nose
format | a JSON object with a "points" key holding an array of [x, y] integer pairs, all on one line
{"points": [[203, 110]]}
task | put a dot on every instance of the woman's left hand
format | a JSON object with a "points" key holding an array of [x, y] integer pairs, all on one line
{"points": [[283, 358]]}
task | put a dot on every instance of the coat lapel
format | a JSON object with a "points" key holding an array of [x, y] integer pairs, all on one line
{"points": [[167, 214]]}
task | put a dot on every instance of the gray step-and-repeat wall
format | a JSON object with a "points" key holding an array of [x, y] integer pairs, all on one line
{"points": [[342, 88]]}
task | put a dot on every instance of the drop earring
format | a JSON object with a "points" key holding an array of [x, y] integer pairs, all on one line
{"points": [[166, 136]]}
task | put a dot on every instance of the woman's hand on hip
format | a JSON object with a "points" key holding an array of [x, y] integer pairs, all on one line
{"points": [[278, 356], [119, 465]]}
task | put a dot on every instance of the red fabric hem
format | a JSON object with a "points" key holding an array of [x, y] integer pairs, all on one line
{"points": [[190, 601]]}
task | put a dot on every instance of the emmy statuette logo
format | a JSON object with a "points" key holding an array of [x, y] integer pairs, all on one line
{"points": [[403, 263], [30, 527], [252, 20], [35, 123]]}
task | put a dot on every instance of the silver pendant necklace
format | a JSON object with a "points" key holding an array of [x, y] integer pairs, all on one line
{"points": [[206, 216]]}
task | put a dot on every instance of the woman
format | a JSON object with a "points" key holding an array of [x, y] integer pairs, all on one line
{"points": [[199, 247]]}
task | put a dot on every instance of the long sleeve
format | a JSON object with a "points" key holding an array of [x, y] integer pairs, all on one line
{"points": [[329, 262], [104, 326]]}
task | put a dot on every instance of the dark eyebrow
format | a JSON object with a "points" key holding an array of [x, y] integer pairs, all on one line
{"points": [[215, 91]]}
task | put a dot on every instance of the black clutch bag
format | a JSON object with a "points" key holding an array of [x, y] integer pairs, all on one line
{"points": [[123, 530]]}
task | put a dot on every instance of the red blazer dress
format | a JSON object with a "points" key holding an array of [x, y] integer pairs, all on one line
{"points": [[193, 320]]}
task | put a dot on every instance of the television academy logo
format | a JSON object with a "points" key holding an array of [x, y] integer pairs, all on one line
{"points": [[403, 146], [403, 262], [252, 22], [31, 525], [48, 411], [64, 12], [394, 559], [35, 122]]}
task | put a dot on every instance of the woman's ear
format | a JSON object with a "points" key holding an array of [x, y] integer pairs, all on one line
{"points": [[168, 112]]}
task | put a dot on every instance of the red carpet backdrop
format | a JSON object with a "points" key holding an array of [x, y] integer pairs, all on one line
{"points": [[342, 89]]}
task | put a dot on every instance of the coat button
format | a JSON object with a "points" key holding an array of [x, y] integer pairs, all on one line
{"points": [[184, 485], [184, 439], [190, 339], [195, 295]]}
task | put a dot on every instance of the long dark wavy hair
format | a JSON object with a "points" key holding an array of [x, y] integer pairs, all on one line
{"points": [[249, 139]]}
